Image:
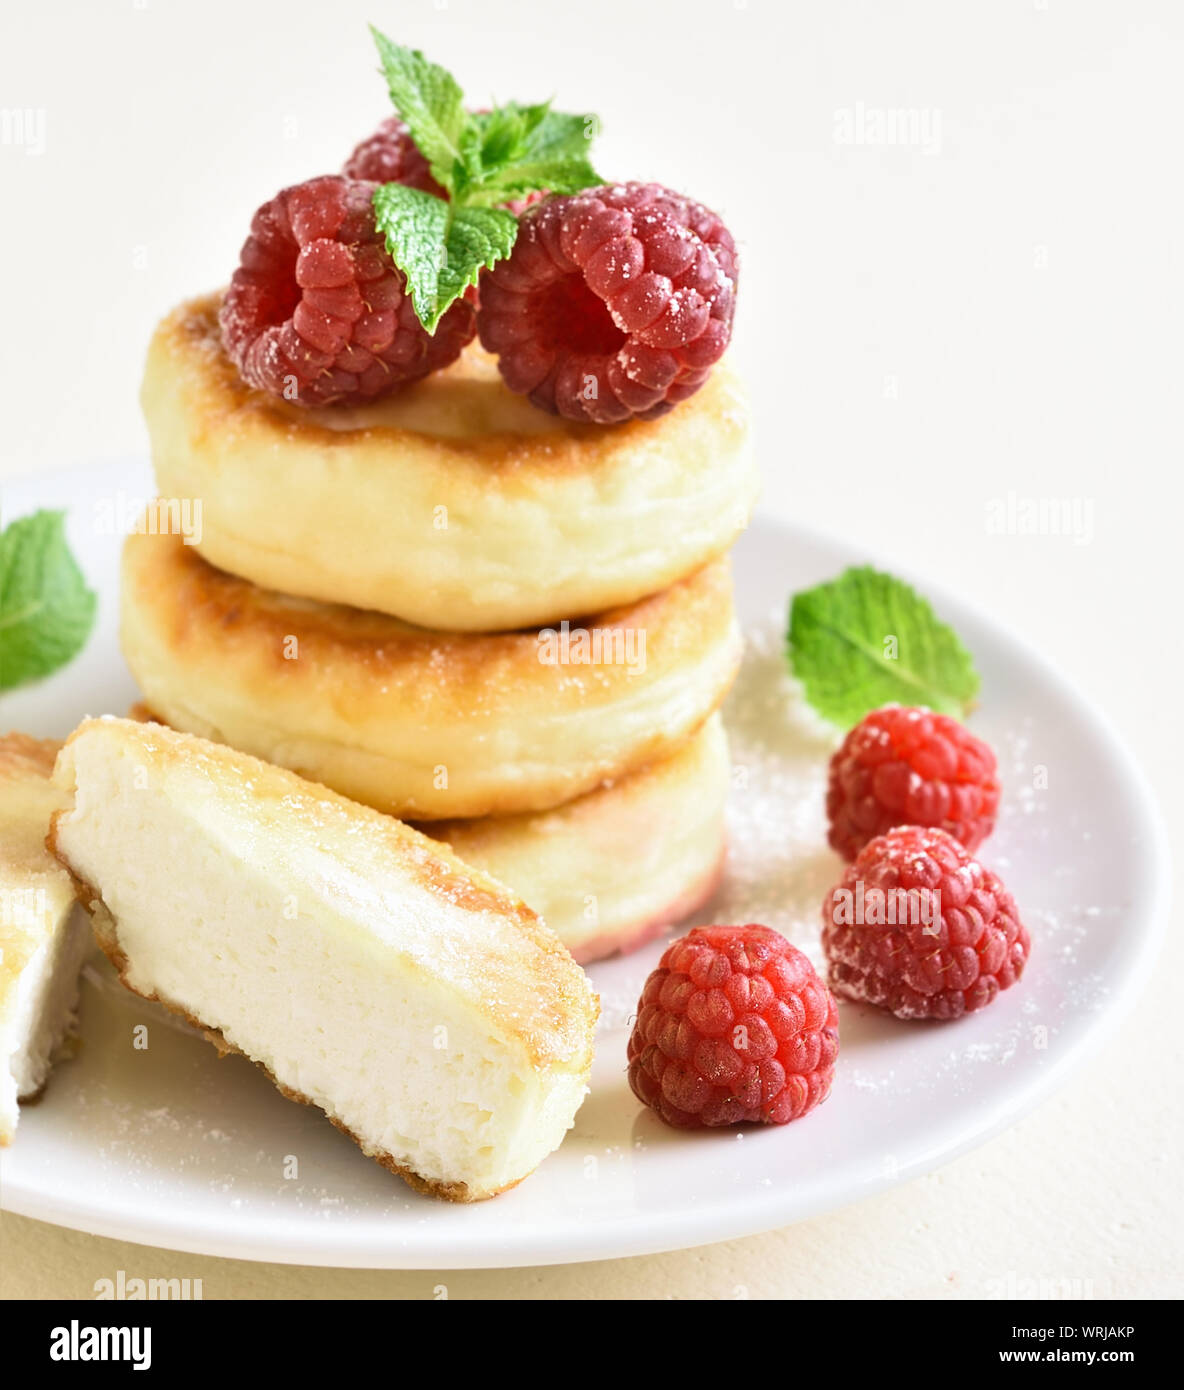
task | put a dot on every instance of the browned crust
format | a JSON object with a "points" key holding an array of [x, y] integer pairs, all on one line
{"points": [[23, 756], [211, 654], [108, 942], [190, 335], [196, 607]]}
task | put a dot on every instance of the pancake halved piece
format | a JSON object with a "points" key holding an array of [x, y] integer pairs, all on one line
{"points": [[44, 934], [610, 870], [453, 504], [424, 725], [423, 1007]]}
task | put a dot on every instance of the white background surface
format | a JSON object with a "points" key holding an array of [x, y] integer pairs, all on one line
{"points": [[927, 329]]}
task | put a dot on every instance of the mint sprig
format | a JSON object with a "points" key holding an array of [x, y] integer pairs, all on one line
{"points": [[429, 100], [867, 639], [442, 248], [46, 608], [524, 149], [481, 159]]}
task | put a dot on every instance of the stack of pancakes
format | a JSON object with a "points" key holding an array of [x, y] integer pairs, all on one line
{"points": [[511, 629]]}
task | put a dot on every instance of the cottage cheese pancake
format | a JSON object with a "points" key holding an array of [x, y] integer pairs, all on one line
{"points": [[44, 935], [453, 504], [420, 1004], [424, 725], [612, 869]]}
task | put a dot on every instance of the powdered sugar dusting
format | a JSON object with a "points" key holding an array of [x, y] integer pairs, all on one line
{"points": [[779, 866]]}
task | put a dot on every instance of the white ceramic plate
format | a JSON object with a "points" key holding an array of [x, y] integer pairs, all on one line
{"points": [[173, 1147]]}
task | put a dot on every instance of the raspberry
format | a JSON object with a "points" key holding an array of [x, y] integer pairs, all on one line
{"points": [[317, 311], [904, 766], [734, 1026], [391, 156], [918, 927], [526, 200], [615, 302]]}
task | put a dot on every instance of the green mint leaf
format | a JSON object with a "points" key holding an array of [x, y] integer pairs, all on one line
{"points": [[534, 116], [46, 609], [469, 169], [866, 639], [564, 175], [441, 248], [430, 100], [477, 238], [552, 154], [415, 225], [504, 132], [560, 135]]}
